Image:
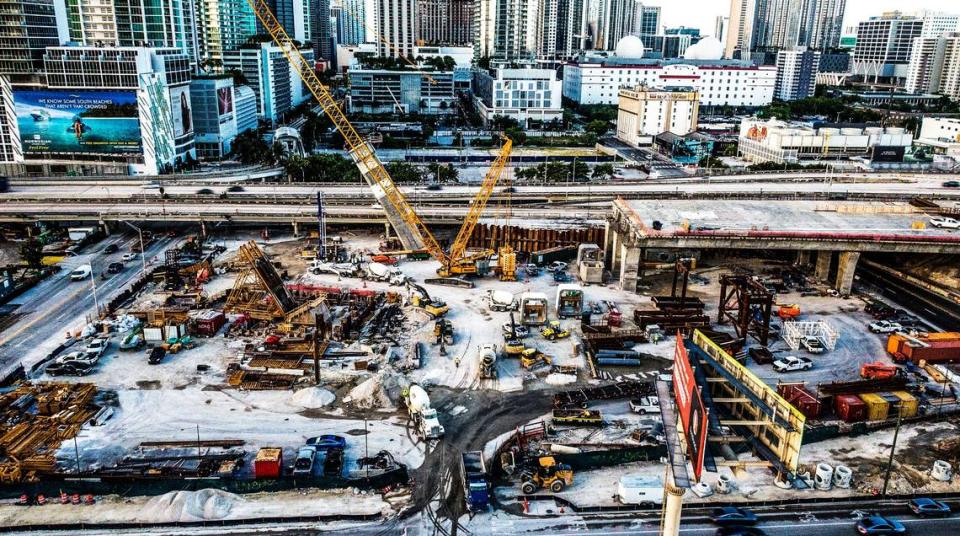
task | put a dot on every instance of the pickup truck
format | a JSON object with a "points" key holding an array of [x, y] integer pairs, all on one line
{"points": [[791, 363], [644, 405], [885, 326]]}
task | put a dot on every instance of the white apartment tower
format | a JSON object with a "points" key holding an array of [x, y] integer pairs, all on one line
{"points": [[935, 66], [396, 24]]}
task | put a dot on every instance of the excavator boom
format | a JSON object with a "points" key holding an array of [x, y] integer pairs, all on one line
{"points": [[411, 230]]}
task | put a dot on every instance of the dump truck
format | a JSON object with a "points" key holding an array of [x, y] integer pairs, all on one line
{"points": [[488, 361], [423, 416], [546, 473], [476, 482], [582, 417]]}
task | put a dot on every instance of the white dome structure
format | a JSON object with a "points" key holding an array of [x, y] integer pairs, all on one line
{"points": [[709, 48], [630, 47]]}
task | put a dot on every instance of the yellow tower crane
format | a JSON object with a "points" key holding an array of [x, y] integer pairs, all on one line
{"points": [[410, 228]]}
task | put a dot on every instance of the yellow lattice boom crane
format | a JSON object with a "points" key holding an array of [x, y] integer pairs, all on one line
{"points": [[410, 228]]}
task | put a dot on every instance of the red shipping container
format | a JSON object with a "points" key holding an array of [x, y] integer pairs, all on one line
{"points": [[934, 352], [850, 408], [268, 463], [209, 323], [800, 398]]}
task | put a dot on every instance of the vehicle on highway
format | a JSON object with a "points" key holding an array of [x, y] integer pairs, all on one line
{"points": [[791, 363], [151, 186], [155, 355], [885, 326], [111, 248], [740, 530], [731, 515], [128, 257], [944, 222], [115, 267], [878, 524], [925, 506], [81, 272], [303, 466], [951, 184], [327, 442], [235, 188]]}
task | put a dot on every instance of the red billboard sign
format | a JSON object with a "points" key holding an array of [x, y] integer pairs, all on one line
{"points": [[693, 415]]}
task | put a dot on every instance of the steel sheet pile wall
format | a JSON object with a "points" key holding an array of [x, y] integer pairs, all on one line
{"points": [[529, 240]]}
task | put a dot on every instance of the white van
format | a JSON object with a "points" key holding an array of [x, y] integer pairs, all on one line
{"points": [[640, 489], [81, 272]]}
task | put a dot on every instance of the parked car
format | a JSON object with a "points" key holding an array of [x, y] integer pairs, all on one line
{"points": [[68, 368], [82, 359], [561, 277], [115, 267], [951, 184], [327, 442], [925, 506], [303, 466], [739, 530], [878, 524], [132, 343], [81, 272], [731, 515], [813, 344], [128, 257], [761, 355], [885, 326], [155, 356], [557, 266], [944, 222], [111, 248], [97, 347], [791, 362], [531, 269]]}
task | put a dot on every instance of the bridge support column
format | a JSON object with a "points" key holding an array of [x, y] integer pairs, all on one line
{"points": [[824, 259], [846, 270], [608, 234], [296, 229], [615, 254], [803, 257], [629, 267], [672, 508]]}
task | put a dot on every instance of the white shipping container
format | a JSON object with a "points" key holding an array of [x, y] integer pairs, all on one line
{"points": [[153, 334], [640, 489], [172, 332]]}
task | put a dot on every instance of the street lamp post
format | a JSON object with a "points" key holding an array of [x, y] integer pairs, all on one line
{"points": [[93, 281], [143, 251], [893, 449]]}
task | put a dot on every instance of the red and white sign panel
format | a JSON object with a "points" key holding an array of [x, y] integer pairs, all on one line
{"points": [[693, 415]]}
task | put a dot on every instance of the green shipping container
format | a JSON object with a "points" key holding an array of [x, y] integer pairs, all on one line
{"points": [[877, 407]]}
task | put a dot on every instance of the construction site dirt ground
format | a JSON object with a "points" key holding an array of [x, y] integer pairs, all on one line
{"points": [[171, 400]]}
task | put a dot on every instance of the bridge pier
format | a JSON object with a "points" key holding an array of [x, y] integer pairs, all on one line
{"points": [[803, 257], [609, 234], [846, 270], [296, 229], [629, 267], [824, 258]]}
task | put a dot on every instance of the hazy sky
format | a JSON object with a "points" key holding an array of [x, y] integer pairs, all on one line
{"points": [[702, 13]]}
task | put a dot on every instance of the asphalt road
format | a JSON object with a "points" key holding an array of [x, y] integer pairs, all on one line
{"points": [[58, 303]]}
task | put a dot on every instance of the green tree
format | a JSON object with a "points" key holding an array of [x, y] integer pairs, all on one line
{"points": [[603, 171], [578, 171], [598, 127], [249, 148], [443, 173], [403, 172], [503, 122], [31, 252], [296, 168], [518, 136]]}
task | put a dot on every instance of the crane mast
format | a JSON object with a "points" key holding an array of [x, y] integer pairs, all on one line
{"points": [[410, 228]]}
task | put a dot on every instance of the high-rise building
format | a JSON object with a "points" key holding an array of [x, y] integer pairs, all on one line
{"points": [[616, 19], [822, 23], [648, 20], [222, 25], [720, 27], [935, 65], [321, 30], [883, 46], [29, 26], [396, 26], [935, 24], [739, 41], [275, 82], [350, 17], [293, 15], [796, 74], [157, 23], [444, 22], [92, 22], [644, 111], [505, 29], [571, 27]]}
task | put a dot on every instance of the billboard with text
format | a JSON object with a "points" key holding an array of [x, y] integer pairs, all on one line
{"points": [[693, 414], [78, 121]]}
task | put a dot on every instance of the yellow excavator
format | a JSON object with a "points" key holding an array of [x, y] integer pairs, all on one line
{"points": [[410, 228]]}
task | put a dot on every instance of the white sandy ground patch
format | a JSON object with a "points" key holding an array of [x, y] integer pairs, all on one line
{"points": [[208, 504], [312, 397], [261, 418]]}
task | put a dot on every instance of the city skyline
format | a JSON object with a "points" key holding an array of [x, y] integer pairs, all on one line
{"points": [[702, 14]]}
